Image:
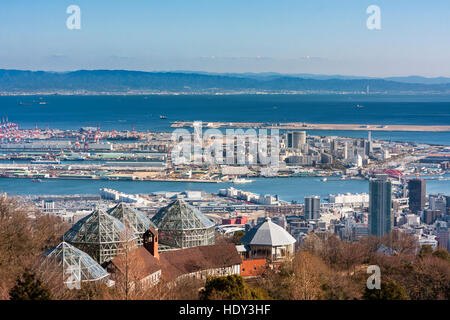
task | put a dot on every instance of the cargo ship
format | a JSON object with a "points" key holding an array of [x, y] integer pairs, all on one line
{"points": [[241, 181], [55, 161], [123, 138]]}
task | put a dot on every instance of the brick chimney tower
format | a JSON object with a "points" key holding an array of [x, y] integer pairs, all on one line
{"points": [[151, 242]]}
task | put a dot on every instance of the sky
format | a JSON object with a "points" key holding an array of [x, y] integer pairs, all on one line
{"points": [[285, 36]]}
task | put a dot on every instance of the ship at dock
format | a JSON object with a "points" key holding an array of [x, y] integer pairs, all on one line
{"points": [[45, 161], [241, 181]]}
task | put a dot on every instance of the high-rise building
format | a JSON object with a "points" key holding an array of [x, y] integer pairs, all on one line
{"points": [[296, 139], [368, 147], [438, 202], [300, 136], [430, 216], [333, 147], [447, 200], [443, 234], [380, 203], [358, 161], [417, 194], [312, 208], [289, 138]]}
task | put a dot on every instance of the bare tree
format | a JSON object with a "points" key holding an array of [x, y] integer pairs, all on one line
{"points": [[25, 233], [401, 242], [307, 275]]}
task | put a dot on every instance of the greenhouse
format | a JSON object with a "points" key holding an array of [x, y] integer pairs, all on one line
{"points": [[101, 236], [77, 266], [132, 218], [180, 225]]}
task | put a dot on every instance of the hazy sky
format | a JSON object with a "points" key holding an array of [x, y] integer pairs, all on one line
{"points": [[288, 36]]}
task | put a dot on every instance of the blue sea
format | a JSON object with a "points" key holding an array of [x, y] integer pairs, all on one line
{"points": [[143, 112], [288, 189]]}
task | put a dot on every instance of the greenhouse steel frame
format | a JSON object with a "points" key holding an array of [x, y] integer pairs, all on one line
{"points": [[77, 266], [101, 236], [133, 219], [180, 225]]}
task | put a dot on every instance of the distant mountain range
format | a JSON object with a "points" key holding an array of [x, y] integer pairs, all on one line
{"points": [[122, 81], [266, 75]]}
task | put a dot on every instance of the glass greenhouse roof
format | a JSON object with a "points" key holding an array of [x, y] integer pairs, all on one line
{"points": [[99, 228], [77, 265], [181, 216], [131, 217]]}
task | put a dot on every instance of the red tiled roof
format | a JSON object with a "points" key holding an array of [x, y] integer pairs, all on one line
{"points": [[140, 263], [175, 263], [184, 261]]}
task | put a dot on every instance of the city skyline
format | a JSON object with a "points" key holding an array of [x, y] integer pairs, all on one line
{"points": [[224, 150]]}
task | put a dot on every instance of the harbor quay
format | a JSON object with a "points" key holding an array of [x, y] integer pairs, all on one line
{"points": [[317, 126], [90, 153]]}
